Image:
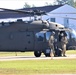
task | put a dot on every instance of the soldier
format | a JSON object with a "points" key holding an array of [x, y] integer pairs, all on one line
{"points": [[64, 41], [51, 43]]}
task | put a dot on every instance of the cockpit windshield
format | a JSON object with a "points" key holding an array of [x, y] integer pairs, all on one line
{"points": [[73, 34]]}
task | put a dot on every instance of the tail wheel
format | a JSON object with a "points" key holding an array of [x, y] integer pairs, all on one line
{"points": [[37, 53]]}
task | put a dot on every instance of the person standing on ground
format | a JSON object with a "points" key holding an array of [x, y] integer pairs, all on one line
{"points": [[51, 43], [64, 42]]}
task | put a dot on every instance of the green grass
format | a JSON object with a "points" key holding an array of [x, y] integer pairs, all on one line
{"points": [[26, 67], [71, 52], [17, 53], [38, 67]]}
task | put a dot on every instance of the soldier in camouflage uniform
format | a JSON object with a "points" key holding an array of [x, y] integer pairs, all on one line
{"points": [[51, 43], [64, 41]]}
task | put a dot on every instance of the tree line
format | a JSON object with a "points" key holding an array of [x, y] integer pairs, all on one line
{"points": [[56, 2]]}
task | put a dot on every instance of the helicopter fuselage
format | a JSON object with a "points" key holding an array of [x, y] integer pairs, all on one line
{"points": [[26, 36]]}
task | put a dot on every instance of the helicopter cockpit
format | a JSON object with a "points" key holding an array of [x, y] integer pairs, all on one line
{"points": [[71, 39], [73, 33]]}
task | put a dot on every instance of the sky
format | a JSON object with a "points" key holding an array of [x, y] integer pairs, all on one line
{"points": [[17, 4]]}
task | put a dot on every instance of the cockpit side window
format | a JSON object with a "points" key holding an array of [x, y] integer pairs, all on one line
{"points": [[73, 35], [68, 37], [48, 35], [40, 36]]}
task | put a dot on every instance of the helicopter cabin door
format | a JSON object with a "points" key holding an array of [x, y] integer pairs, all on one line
{"points": [[22, 41], [29, 41]]}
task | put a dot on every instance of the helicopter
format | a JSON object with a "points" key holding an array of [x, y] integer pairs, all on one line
{"points": [[33, 35]]}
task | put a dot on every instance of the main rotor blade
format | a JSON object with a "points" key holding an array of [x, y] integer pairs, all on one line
{"points": [[63, 13], [33, 12], [63, 17], [69, 18], [18, 11], [66, 17]]}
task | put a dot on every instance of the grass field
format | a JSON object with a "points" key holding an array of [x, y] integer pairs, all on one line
{"points": [[38, 67], [26, 67], [16, 54], [71, 52]]}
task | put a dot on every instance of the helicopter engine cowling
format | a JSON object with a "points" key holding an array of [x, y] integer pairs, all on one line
{"points": [[55, 26]]}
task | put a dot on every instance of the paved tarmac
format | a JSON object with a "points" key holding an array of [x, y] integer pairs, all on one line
{"points": [[54, 74], [9, 58]]}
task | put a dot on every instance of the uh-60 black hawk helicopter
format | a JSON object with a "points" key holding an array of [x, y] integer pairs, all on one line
{"points": [[25, 36]]}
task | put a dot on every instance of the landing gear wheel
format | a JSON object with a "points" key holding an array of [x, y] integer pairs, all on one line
{"points": [[47, 52], [37, 53]]}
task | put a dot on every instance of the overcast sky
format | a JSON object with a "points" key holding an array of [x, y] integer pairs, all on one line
{"points": [[16, 4]]}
